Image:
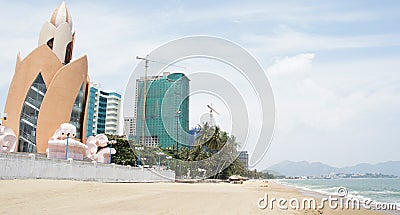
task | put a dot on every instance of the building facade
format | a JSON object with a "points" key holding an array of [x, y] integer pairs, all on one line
{"points": [[48, 87], [104, 111], [130, 127], [244, 158], [166, 120]]}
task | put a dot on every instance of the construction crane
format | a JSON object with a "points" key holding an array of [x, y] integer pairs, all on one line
{"points": [[211, 114]]}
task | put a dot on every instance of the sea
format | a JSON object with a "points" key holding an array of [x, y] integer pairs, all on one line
{"points": [[383, 190]]}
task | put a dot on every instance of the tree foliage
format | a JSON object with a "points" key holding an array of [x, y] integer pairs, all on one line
{"points": [[208, 142]]}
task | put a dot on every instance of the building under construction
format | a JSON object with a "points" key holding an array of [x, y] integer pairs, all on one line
{"points": [[166, 111]]}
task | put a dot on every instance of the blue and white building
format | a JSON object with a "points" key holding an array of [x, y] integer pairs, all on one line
{"points": [[104, 111]]}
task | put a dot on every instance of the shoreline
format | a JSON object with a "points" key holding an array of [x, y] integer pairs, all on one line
{"points": [[321, 194], [42, 196], [306, 194], [315, 193]]}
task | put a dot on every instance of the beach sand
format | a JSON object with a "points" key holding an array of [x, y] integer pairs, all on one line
{"points": [[77, 197]]}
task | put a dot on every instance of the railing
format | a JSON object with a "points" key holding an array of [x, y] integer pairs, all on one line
{"points": [[33, 102], [113, 103], [28, 137], [30, 119], [40, 89], [112, 109]]}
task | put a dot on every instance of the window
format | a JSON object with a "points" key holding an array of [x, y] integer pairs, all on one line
{"points": [[50, 43], [68, 53], [76, 118], [29, 114]]}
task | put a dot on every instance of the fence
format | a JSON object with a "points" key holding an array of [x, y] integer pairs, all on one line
{"points": [[33, 166]]}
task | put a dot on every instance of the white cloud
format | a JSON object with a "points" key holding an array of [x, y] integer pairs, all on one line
{"points": [[287, 40], [290, 65], [344, 108], [295, 12], [302, 100]]}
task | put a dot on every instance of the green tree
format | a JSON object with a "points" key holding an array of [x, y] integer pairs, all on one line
{"points": [[210, 141], [124, 154]]}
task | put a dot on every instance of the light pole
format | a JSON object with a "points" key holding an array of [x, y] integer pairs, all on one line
{"points": [[111, 143], [159, 160], [177, 132], [66, 148], [168, 158], [139, 149], [177, 140], [146, 66]]}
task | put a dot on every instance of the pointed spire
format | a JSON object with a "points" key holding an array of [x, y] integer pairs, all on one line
{"points": [[61, 15]]}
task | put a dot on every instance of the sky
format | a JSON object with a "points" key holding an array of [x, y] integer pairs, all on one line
{"points": [[333, 65]]}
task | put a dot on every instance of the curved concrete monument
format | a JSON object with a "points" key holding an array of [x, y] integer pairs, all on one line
{"points": [[49, 87]]}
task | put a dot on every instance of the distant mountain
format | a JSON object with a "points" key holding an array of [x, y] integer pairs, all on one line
{"points": [[387, 168], [304, 168]]}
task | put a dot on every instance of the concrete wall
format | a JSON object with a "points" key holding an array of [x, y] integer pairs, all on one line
{"points": [[31, 166]]}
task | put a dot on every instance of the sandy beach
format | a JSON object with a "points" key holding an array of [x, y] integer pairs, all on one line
{"points": [[77, 197]]}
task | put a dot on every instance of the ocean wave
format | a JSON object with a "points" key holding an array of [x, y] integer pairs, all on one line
{"points": [[382, 192], [374, 195]]}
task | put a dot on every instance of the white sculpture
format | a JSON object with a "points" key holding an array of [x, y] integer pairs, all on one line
{"points": [[58, 32], [93, 144], [58, 142], [8, 139]]}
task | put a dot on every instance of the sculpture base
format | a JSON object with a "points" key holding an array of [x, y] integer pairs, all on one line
{"points": [[57, 149]]}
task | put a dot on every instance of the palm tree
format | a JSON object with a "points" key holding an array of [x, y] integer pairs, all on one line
{"points": [[215, 142], [184, 154], [209, 141], [211, 138]]}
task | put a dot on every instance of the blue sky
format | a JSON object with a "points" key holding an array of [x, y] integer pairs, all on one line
{"points": [[333, 65]]}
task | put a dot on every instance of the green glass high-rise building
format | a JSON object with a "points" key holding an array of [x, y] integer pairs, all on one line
{"points": [[167, 110]]}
